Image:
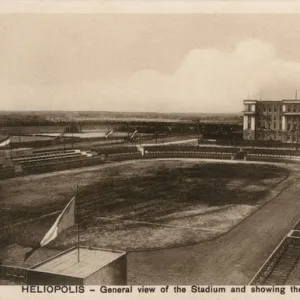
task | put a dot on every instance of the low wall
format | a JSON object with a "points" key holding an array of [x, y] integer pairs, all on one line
{"points": [[6, 173], [115, 273], [123, 156], [257, 143], [46, 278], [18, 275], [187, 155], [273, 159]]}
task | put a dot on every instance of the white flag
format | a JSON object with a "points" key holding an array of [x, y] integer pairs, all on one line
{"points": [[64, 221], [5, 142]]}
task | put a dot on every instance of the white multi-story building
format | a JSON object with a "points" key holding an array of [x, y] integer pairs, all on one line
{"points": [[271, 120]]}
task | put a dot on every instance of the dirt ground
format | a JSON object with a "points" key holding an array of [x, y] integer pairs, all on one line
{"points": [[138, 205]]}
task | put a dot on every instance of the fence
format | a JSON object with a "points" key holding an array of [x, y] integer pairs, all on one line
{"points": [[6, 173], [265, 271]]}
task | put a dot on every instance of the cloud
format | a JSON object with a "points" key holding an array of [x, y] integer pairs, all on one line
{"points": [[208, 80]]}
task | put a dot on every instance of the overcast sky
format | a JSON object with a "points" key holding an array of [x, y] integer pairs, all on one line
{"points": [[167, 63]]}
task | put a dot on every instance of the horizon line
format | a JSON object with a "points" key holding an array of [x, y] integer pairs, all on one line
{"points": [[112, 111]]}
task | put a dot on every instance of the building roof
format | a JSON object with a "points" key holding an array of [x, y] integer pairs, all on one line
{"points": [[250, 101], [262, 101], [66, 263], [272, 101], [291, 101]]}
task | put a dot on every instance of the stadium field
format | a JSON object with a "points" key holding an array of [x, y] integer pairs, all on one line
{"points": [[141, 204]]}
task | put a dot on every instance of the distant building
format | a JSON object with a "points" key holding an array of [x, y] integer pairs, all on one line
{"points": [[272, 120], [74, 128]]}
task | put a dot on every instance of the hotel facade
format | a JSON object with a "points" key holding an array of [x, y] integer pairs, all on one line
{"points": [[272, 120]]}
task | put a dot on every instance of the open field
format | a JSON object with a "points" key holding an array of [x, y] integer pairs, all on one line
{"points": [[142, 204]]}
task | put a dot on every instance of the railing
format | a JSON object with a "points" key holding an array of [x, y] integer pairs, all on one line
{"points": [[263, 273]]}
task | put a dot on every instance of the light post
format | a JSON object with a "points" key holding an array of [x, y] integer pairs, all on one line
{"points": [[198, 131], [263, 130], [297, 133], [295, 130]]}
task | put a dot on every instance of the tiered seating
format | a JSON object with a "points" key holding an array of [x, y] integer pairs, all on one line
{"points": [[44, 156], [49, 158], [117, 151], [191, 150], [284, 266], [274, 152], [273, 155]]}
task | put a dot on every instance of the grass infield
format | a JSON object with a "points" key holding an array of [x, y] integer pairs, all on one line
{"points": [[141, 204]]}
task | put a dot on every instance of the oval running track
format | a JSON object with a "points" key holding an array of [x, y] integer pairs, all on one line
{"points": [[232, 259]]}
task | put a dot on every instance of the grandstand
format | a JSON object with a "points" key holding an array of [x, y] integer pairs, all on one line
{"points": [[190, 151], [38, 158], [281, 264], [118, 152], [273, 155], [45, 157], [30, 162]]}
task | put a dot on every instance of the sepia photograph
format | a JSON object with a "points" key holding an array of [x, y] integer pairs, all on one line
{"points": [[150, 149]]}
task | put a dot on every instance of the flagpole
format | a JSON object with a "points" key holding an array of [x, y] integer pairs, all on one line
{"points": [[78, 236]]}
